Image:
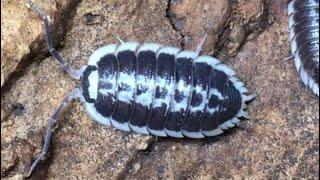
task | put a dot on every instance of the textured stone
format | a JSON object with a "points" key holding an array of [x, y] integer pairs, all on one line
{"points": [[279, 141], [22, 34], [227, 23], [193, 19]]}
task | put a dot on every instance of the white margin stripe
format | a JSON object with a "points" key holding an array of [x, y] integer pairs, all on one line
{"points": [[99, 53]]}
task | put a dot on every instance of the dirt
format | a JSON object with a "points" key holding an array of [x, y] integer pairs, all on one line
{"points": [[279, 141]]}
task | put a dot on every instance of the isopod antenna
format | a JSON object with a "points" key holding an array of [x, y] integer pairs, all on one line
{"points": [[75, 93], [76, 74]]}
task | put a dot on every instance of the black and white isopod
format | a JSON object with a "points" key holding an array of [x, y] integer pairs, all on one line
{"points": [[304, 36], [153, 89]]}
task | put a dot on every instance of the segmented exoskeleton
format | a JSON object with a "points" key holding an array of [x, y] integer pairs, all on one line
{"points": [[153, 89], [304, 36], [163, 91]]}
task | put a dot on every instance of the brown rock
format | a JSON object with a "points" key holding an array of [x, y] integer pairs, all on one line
{"points": [[22, 37], [15, 36], [8, 160], [194, 18], [249, 19], [227, 23], [105, 151], [280, 140]]}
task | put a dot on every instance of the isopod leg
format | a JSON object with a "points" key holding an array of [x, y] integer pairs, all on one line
{"points": [[46, 21], [120, 40], [52, 121], [200, 45]]}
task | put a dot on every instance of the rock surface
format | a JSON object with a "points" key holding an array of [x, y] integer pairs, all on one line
{"points": [[279, 141], [22, 36]]}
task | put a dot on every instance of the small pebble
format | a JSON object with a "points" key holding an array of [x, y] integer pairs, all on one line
{"points": [[136, 167]]}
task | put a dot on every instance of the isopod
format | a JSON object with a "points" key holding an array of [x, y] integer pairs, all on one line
{"points": [[153, 89], [304, 36]]}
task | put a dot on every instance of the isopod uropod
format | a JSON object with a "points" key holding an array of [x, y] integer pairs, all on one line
{"points": [[153, 89], [304, 36]]}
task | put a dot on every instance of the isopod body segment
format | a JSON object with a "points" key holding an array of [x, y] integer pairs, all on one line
{"points": [[304, 36], [152, 89], [162, 90]]}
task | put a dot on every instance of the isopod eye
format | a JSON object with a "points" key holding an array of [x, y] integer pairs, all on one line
{"points": [[178, 97]]}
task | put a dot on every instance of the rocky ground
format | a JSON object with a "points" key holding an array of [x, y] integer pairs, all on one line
{"points": [[281, 140]]}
